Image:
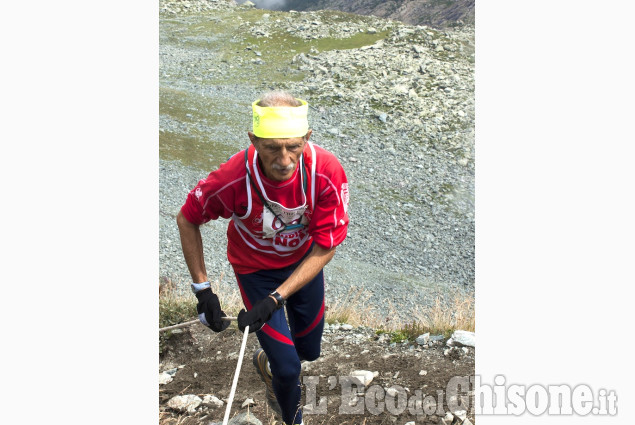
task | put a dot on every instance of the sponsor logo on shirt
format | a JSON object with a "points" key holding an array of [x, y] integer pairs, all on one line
{"points": [[344, 196]]}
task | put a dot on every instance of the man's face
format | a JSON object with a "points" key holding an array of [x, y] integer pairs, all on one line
{"points": [[279, 157]]}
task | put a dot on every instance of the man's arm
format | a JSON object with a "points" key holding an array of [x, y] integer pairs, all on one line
{"points": [[192, 245], [306, 271]]}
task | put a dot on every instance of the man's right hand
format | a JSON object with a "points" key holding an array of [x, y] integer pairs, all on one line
{"points": [[209, 312]]}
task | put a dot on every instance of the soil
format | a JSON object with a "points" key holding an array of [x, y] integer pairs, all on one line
{"points": [[206, 363]]}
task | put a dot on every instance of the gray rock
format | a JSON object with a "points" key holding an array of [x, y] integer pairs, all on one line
{"points": [[244, 418], [165, 378], [172, 371], [423, 338], [464, 338], [185, 403], [461, 414], [248, 402], [382, 117], [211, 400], [364, 376]]}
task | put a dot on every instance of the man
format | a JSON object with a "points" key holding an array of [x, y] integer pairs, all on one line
{"points": [[287, 200]]}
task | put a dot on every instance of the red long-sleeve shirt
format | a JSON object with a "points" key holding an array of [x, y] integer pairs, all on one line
{"points": [[228, 193]]}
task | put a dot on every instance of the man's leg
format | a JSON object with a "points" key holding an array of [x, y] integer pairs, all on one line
{"points": [[305, 309], [275, 339]]}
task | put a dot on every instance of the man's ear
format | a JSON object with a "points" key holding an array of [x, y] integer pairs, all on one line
{"points": [[252, 137], [308, 134]]}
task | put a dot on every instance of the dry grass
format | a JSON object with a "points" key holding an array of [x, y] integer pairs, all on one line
{"points": [[353, 309], [457, 314], [174, 307], [229, 296], [444, 316]]}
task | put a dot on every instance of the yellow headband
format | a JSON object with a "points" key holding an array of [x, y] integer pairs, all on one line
{"points": [[280, 122]]}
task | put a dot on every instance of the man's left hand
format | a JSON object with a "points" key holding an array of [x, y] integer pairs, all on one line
{"points": [[258, 315]]}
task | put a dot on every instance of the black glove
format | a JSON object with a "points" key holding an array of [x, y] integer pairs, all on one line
{"points": [[258, 315], [209, 312]]}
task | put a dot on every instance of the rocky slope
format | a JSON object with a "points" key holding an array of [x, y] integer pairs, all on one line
{"points": [[394, 102], [435, 13]]}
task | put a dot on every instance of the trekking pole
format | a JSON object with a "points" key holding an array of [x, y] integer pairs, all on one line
{"points": [[240, 362], [191, 322]]}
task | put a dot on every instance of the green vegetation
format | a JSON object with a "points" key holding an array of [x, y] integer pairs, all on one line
{"points": [[174, 308]]}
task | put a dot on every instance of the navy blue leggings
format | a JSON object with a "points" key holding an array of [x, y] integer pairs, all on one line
{"points": [[285, 345]]}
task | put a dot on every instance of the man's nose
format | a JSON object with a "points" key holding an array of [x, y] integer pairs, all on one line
{"points": [[284, 158]]}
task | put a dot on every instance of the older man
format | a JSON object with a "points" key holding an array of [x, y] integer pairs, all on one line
{"points": [[287, 200]]}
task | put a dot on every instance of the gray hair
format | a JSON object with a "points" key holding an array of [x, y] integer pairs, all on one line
{"points": [[278, 98]]}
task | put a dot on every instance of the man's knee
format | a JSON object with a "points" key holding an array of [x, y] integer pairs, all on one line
{"points": [[288, 371], [309, 354]]}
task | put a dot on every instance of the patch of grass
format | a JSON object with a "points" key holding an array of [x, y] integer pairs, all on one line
{"points": [[446, 317], [174, 308], [442, 318], [352, 309]]}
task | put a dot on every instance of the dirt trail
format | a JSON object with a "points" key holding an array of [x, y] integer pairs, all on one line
{"points": [[206, 363]]}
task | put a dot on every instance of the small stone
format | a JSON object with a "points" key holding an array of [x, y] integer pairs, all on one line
{"points": [[364, 376], [185, 403], [461, 414], [423, 373], [212, 400], [165, 378], [464, 338], [423, 338], [382, 117], [244, 418], [248, 402], [346, 326]]}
